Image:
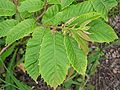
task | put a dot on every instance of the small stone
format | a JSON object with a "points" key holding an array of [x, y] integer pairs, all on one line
{"points": [[107, 61], [114, 71], [113, 64], [113, 55]]}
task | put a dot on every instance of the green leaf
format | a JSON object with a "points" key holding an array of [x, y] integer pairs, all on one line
{"points": [[25, 15], [31, 6], [32, 53], [103, 6], [70, 12], [7, 8], [50, 13], [54, 1], [75, 55], [101, 32], [6, 25], [53, 62], [87, 17], [83, 8], [20, 30], [81, 42], [65, 3]]}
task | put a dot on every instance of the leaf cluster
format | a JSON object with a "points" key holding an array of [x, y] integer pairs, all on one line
{"points": [[60, 29]]}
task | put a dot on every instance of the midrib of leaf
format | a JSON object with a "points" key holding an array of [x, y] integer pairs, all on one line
{"points": [[54, 54], [42, 39], [54, 46], [68, 51], [41, 47]]}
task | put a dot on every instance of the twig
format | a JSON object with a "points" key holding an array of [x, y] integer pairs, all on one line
{"points": [[17, 15], [4, 49], [45, 8]]}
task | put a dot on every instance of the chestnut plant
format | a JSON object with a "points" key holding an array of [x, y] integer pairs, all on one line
{"points": [[59, 33]]}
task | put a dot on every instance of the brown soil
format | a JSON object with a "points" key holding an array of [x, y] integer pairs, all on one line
{"points": [[107, 76]]}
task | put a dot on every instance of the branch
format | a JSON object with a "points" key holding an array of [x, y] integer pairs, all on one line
{"points": [[45, 8], [4, 49], [17, 15]]}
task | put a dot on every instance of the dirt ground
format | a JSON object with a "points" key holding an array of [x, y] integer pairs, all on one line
{"points": [[107, 76]]}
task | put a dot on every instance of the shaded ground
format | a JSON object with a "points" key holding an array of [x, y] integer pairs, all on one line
{"points": [[107, 76], [38, 85]]}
